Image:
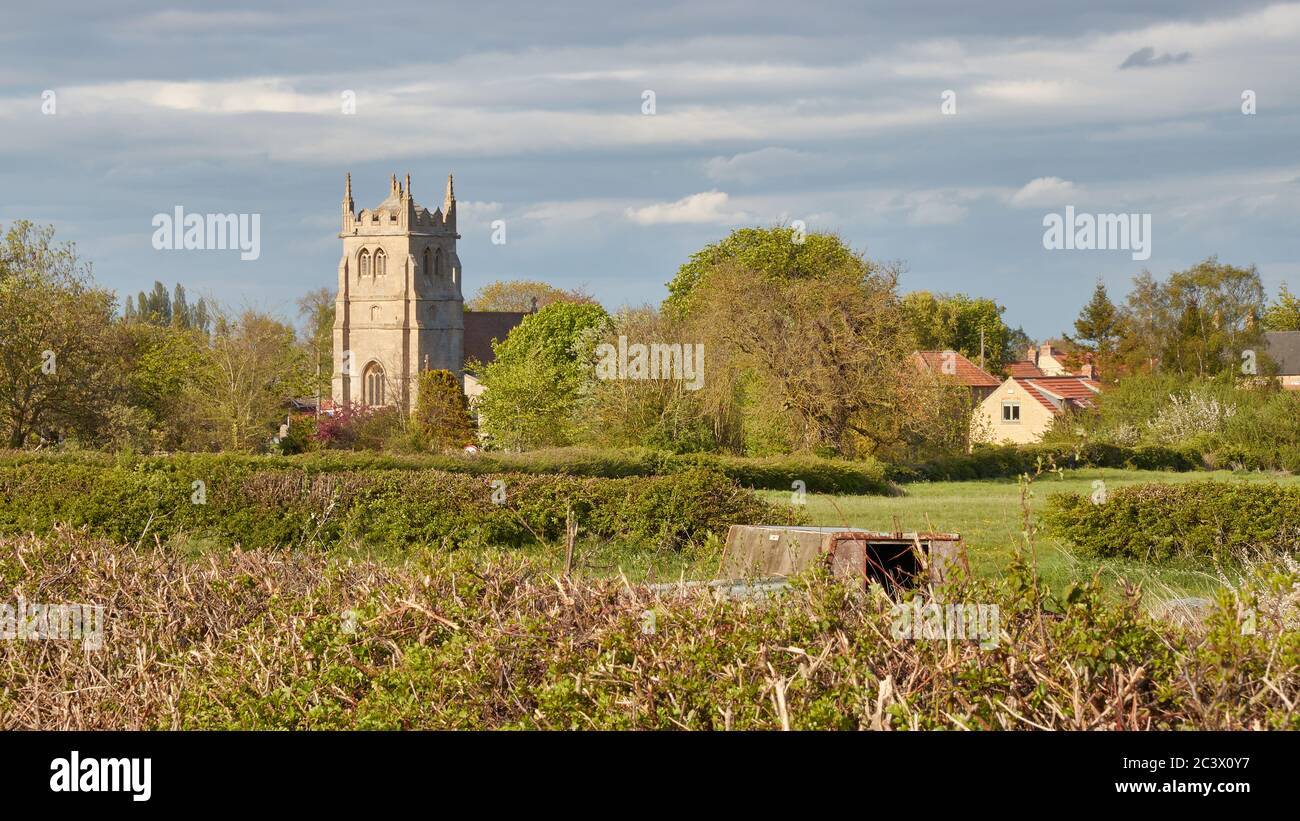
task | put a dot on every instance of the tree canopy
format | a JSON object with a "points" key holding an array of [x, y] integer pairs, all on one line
{"points": [[532, 386]]}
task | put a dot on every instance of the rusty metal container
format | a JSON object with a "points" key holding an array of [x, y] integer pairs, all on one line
{"points": [[759, 552]]}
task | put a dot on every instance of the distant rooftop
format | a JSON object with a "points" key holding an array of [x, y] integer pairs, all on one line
{"points": [[964, 371], [1283, 347]]}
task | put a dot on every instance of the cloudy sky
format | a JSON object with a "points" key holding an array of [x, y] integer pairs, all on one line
{"points": [[765, 113]]}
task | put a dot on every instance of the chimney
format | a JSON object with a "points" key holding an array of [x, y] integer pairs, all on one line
{"points": [[1032, 355], [1046, 350], [1089, 370]]}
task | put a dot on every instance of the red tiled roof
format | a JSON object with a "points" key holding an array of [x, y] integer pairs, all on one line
{"points": [[1058, 392], [1024, 368], [967, 372]]}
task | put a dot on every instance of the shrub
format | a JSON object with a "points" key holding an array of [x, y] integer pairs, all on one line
{"points": [[1197, 520], [1004, 461], [379, 508], [441, 414], [301, 436], [775, 473]]}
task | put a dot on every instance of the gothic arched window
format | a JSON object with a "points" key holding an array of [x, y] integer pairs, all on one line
{"points": [[439, 263], [381, 263], [427, 265], [363, 263], [374, 313], [372, 385]]}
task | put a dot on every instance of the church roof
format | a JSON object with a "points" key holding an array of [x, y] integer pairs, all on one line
{"points": [[482, 328], [394, 204]]}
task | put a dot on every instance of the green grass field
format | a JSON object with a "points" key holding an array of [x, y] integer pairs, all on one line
{"points": [[988, 515]]}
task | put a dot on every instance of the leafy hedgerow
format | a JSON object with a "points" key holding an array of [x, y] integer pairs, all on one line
{"points": [[1004, 461], [769, 473], [1197, 520], [234, 502]]}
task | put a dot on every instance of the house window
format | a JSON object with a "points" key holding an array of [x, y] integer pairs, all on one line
{"points": [[372, 381], [363, 263], [1010, 412], [381, 263]]}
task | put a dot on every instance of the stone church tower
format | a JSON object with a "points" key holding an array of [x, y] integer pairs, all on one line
{"points": [[399, 308]]}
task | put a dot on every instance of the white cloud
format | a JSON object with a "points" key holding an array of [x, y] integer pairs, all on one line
{"points": [[937, 212], [1044, 191], [752, 166], [1023, 91], [474, 209], [707, 207]]}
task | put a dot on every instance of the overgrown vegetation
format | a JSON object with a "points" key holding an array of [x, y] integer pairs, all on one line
{"points": [[1226, 422], [268, 639]]}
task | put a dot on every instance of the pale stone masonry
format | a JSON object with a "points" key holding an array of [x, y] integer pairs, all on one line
{"points": [[399, 308]]}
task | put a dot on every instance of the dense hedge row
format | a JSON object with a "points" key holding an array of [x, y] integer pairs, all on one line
{"points": [[278, 640], [1154, 522], [1003, 461], [775, 473], [238, 502]]}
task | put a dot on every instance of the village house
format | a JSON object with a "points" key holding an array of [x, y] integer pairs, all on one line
{"points": [[1022, 408], [1038, 389]]}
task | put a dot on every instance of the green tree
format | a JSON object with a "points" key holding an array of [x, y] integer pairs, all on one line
{"points": [[317, 311], [441, 417], [663, 414], [163, 375], [972, 326], [1283, 314], [253, 366], [1098, 324], [1196, 323], [180, 308], [57, 357], [520, 294], [773, 253], [532, 387], [1146, 321], [819, 363]]}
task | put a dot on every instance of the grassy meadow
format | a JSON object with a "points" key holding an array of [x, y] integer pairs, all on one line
{"points": [[988, 515]]}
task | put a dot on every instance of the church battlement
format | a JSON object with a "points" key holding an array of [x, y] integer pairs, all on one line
{"points": [[398, 213]]}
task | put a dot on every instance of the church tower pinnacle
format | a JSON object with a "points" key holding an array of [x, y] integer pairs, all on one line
{"points": [[349, 208], [449, 205]]}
